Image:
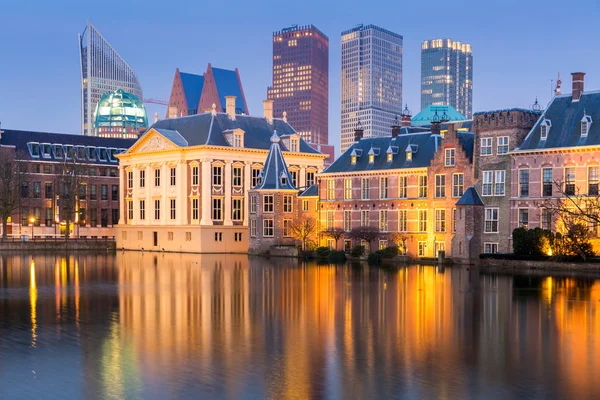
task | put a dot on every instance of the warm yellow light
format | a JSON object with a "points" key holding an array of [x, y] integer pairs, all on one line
{"points": [[32, 220], [549, 252]]}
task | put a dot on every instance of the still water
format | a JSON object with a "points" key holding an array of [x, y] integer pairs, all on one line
{"points": [[166, 326]]}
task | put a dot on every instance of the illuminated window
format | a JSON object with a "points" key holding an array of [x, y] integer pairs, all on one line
{"points": [[383, 220], [347, 220], [440, 220], [383, 187], [330, 189], [365, 188], [402, 221], [330, 220], [348, 188], [422, 186], [422, 220]]}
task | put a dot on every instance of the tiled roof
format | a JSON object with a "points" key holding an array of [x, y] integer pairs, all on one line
{"points": [[470, 198], [192, 87], [311, 191], [425, 116], [228, 85], [565, 117], [467, 140], [275, 174], [173, 136], [208, 129]]}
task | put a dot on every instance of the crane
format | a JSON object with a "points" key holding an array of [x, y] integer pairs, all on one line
{"points": [[156, 101]]}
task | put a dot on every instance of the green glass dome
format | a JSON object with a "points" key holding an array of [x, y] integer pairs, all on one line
{"points": [[120, 109]]}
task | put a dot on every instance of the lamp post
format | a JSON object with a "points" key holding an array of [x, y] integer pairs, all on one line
{"points": [[32, 221]]}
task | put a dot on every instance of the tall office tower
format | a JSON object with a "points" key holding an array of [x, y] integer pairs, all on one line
{"points": [[371, 81], [447, 75], [102, 70], [301, 81]]}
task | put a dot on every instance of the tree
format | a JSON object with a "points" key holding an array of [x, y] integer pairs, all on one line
{"points": [[13, 173], [70, 184], [366, 233], [335, 234], [302, 229], [399, 239]]}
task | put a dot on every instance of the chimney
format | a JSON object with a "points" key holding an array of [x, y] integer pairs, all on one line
{"points": [[395, 128], [435, 128], [406, 117], [358, 132], [172, 111], [577, 85], [268, 110], [155, 117], [230, 106]]}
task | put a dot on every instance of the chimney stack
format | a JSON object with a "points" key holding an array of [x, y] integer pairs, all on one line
{"points": [[268, 110], [358, 132], [577, 85], [155, 117], [406, 117], [395, 128], [230, 106], [172, 111], [435, 128]]}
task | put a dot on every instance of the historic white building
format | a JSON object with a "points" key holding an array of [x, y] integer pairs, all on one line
{"points": [[184, 183]]}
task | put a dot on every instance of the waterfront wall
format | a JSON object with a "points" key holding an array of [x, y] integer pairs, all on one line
{"points": [[524, 265], [58, 245]]}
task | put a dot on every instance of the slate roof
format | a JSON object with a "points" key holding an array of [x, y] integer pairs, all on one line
{"points": [[207, 129], [467, 140], [19, 139], [228, 85], [425, 116], [173, 136], [275, 169], [192, 88], [565, 116], [311, 191], [470, 198]]}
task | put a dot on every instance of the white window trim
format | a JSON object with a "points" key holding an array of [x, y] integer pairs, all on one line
{"points": [[451, 157]]}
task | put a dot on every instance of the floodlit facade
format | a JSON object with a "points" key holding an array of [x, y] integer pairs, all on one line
{"points": [[120, 114], [102, 70], [447, 75], [371, 81]]}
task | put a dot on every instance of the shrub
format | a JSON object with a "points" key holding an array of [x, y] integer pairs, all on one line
{"points": [[357, 251], [375, 258], [337, 256], [389, 252], [322, 252], [307, 255], [535, 242]]}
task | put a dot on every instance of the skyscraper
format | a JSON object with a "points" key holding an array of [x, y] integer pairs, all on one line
{"points": [[301, 80], [102, 70], [371, 81], [447, 75]]}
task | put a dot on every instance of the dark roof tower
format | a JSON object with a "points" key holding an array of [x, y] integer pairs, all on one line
{"points": [[275, 174]]}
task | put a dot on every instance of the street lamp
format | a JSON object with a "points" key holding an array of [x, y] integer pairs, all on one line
{"points": [[32, 221]]}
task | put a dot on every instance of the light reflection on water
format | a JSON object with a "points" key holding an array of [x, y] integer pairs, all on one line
{"points": [[142, 325]]}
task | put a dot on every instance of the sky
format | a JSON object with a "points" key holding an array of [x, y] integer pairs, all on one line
{"points": [[518, 48]]}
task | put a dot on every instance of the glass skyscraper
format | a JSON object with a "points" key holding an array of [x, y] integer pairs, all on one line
{"points": [[102, 70], [447, 75], [371, 81]]}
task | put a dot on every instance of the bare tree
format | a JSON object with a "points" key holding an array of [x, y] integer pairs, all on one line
{"points": [[366, 233], [70, 185], [302, 229], [13, 174], [335, 234], [400, 240]]}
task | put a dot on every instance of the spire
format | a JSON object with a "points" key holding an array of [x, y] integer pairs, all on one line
{"points": [[275, 174]]}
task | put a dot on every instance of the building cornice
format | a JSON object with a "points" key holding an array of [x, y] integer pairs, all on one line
{"points": [[403, 171], [555, 150]]}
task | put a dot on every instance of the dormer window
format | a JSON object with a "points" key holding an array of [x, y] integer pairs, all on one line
{"points": [[294, 145], [58, 151], [69, 152], [410, 149], [238, 140], [586, 122], [408, 155], [390, 155], [371, 158], [372, 153], [353, 159], [46, 150], [545, 129], [283, 179]]}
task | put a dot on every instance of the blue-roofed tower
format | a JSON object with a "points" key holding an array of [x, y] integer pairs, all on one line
{"points": [[185, 94], [275, 174], [468, 239], [219, 83]]}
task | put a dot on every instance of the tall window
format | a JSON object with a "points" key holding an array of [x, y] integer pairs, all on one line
{"points": [[253, 227], [491, 220], [329, 222], [48, 190], [237, 176], [129, 210], [440, 186], [194, 209], [383, 187], [268, 229], [217, 175], [130, 179], [255, 177], [593, 181], [348, 189], [237, 140], [450, 157], [310, 178], [173, 181], [287, 227], [486, 146], [287, 204], [173, 208], [523, 183], [546, 181], [502, 145], [142, 209], [440, 220], [294, 175], [402, 221], [570, 181], [157, 177], [330, 189], [365, 189], [253, 203], [454, 220], [347, 220], [268, 203], [304, 205], [499, 183], [546, 219], [217, 209], [364, 218], [103, 192], [488, 183], [422, 220], [294, 144], [156, 209], [195, 175], [402, 187], [524, 218], [383, 220], [237, 207], [115, 192], [142, 178], [458, 183], [423, 186]]}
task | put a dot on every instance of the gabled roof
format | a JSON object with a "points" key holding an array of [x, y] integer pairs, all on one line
{"points": [[470, 198], [173, 136], [565, 117], [228, 85], [467, 140], [425, 116], [192, 88], [311, 191], [275, 169], [207, 129]]}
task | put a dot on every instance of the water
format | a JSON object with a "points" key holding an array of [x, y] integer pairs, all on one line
{"points": [[166, 326]]}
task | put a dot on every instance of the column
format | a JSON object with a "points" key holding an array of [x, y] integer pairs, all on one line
{"points": [[302, 177], [247, 186], [123, 202], [165, 205], [206, 198], [227, 202], [183, 200], [149, 204]]}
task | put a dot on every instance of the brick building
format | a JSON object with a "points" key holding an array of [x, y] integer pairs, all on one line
{"points": [[46, 156]]}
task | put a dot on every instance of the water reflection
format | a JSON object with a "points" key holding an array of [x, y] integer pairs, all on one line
{"points": [[140, 325]]}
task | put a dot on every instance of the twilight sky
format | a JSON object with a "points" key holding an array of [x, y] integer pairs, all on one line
{"points": [[518, 47]]}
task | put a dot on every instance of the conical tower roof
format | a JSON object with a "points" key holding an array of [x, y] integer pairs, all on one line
{"points": [[275, 174]]}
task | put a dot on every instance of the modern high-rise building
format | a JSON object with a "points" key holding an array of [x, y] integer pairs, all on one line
{"points": [[301, 80], [102, 70], [371, 81], [447, 75]]}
